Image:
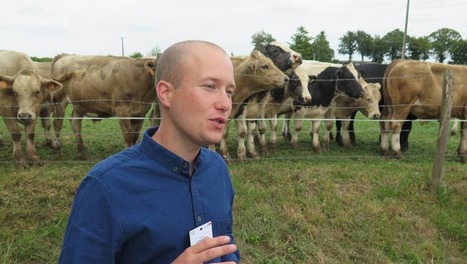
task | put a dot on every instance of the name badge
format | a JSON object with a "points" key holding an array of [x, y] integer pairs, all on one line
{"points": [[201, 232]]}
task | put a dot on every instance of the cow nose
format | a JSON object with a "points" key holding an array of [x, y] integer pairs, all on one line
{"points": [[286, 78], [377, 116], [25, 118], [297, 58]]}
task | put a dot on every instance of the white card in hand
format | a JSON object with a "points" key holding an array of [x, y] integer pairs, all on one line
{"points": [[201, 232]]}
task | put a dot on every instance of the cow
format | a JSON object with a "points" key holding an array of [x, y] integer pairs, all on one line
{"points": [[253, 73], [374, 73], [265, 105], [22, 91], [415, 87], [343, 107], [106, 86], [329, 83]]}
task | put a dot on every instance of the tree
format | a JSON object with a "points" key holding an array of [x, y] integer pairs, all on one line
{"points": [[459, 54], [348, 44], [136, 55], [321, 49], [378, 50], [261, 39], [394, 40], [443, 42], [301, 43], [43, 59], [419, 48], [153, 53], [364, 43]]}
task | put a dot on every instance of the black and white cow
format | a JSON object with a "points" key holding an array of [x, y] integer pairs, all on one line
{"points": [[329, 83]]}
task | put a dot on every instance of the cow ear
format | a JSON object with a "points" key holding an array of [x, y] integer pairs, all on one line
{"points": [[151, 65], [6, 82], [51, 85]]}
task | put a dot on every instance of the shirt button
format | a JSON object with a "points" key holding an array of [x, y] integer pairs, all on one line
{"points": [[199, 218], [185, 165], [175, 169]]}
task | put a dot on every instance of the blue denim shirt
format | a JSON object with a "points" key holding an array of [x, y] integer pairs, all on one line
{"points": [[138, 206]]}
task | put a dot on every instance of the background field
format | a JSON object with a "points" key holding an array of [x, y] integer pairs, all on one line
{"points": [[292, 206]]}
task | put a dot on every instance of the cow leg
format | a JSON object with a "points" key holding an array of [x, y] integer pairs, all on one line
{"points": [[404, 136], [223, 146], [46, 124], [338, 132], [30, 144], [136, 125], [262, 128], [384, 140], [58, 123], [462, 149], [2, 141], [395, 140], [346, 134], [298, 124], [127, 133], [351, 128], [315, 131], [251, 147], [76, 128], [273, 136], [15, 133], [286, 134], [329, 123], [240, 122]]}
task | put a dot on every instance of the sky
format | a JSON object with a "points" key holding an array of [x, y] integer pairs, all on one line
{"points": [[114, 27]]}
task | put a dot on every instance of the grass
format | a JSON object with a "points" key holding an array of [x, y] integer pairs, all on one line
{"points": [[292, 206]]}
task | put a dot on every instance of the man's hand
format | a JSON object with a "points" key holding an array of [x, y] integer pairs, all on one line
{"points": [[207, 249]]}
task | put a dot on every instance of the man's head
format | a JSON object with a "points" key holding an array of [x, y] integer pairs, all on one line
{"points": [[194, 84]]}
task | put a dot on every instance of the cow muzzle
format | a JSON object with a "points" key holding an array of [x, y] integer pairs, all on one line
{"points": [[25, 117]]}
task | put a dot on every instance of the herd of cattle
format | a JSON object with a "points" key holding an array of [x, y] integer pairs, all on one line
{"points": [[272, 82]]}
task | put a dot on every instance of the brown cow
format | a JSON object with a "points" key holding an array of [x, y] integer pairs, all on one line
{"points": [[21, 95], [105, 86], [344, 106], [416, 87]]}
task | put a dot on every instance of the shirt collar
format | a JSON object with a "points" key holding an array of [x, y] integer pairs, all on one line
{"points": [[165, 157]]}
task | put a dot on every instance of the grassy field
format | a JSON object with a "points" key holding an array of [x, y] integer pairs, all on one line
{"points": [[292, 206]]}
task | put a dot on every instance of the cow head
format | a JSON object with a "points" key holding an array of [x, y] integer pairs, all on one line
{"points": [[282, 56], [27, 87], [370, 101], [266, 74], [347, 82]]}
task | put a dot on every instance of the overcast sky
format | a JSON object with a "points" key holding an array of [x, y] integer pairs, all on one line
{"points": [[48, 27]]}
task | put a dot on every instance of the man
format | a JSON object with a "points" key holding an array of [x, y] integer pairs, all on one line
{"points": [[147, 203]]}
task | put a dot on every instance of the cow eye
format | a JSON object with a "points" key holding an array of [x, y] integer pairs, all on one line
{"points": [[37, 93], [264, 67]]}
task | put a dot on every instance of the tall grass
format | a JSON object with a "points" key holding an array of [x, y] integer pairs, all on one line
{"points": [[292, 206]]}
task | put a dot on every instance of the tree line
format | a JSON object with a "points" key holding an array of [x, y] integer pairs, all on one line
{"points": [[442, 45]]}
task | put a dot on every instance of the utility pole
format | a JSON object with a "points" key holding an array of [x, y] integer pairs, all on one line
{"points": [[405, 30], [123, 49]]}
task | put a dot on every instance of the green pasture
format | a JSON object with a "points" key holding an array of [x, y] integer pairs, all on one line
{"points": [[291, 206]]}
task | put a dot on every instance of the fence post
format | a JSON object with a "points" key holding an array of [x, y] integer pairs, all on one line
{"points": [[443, 133]]}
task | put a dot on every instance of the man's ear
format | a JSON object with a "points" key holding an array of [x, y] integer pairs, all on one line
{"points": [[164, 92]]}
